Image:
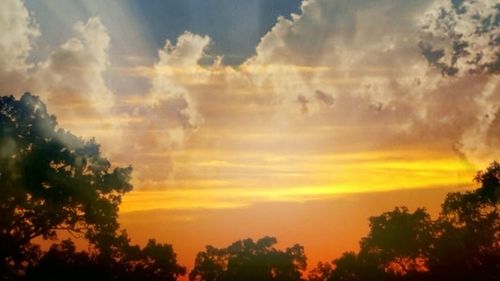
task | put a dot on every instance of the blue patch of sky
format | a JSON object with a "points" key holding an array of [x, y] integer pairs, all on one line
{"points": [[140, 28]]}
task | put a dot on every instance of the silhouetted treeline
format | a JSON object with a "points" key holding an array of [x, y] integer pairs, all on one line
{"points": [[463, 243], [52, 181], [247, 260]]}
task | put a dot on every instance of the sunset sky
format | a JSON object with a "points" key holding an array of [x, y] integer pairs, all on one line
{"points": [[296, 119]]}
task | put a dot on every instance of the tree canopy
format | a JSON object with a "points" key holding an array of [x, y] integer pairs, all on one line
{"points": [[51, 181], [153, 262], [463, 243], [248, 260]]}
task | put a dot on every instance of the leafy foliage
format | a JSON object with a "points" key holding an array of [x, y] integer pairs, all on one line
{"points": [[463, 243], [154, 262], [51, 180], [247, 260]]}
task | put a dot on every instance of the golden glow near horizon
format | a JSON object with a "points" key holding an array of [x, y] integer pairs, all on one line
{"points": [[331, 176]]}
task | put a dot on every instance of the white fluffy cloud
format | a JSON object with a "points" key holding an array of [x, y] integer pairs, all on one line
{"points": [[347, 50], [462, 36], [74, 73], [168, 115], [16, 39], [18, 31], [171, 101], [368, 56], [171, 112], [71, 80], [342, 63]]}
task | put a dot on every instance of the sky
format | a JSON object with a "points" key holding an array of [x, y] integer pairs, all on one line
{"points": [[298, 119]]}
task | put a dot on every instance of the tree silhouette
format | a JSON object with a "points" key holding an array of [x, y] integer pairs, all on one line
{"points": [[154, 262], [50, 181], [463, 243], [397, 245], [468, 231], [61, 262], [321, 272], [247, 260], [399, 239], [351, 266]]}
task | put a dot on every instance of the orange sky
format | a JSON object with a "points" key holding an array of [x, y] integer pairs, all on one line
{"points": [[326, 228]]}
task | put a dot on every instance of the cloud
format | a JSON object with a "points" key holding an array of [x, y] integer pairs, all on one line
{"points": [[188, 51], [383, 61], [168, 114], [480, 141], [74, 81], [365, 49], [170, 99], [462, 36], [363, 57], [75, 72], [303, 101], [324, 97], [19, 31], [71, 79], [462, 39], [172, 112]]}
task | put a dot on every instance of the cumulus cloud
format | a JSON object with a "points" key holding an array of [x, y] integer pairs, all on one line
{"points": [[462, 39], [74, 73], [172, 111], [377, 55], [170, 99], [363, 57], [480, 140], [462, 36], [16, 40], [170, 115], [188, 51], [352, 47], [71, 80]]}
